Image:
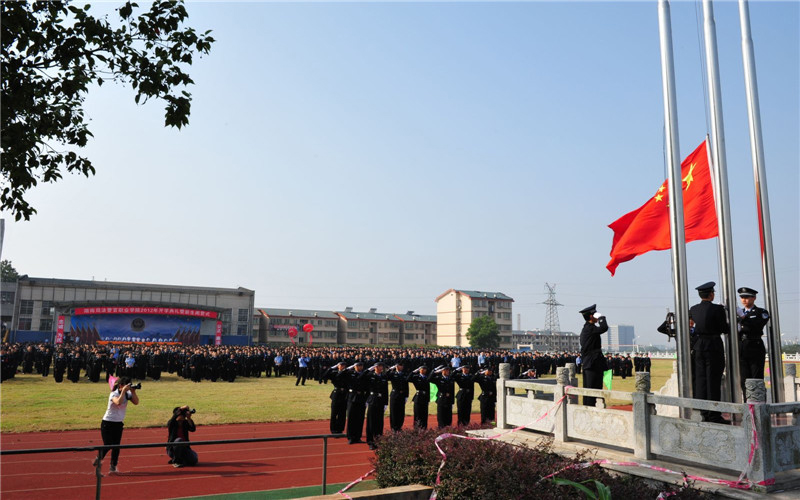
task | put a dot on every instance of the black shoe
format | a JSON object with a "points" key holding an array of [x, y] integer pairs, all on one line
{"points": [[372, 446]]}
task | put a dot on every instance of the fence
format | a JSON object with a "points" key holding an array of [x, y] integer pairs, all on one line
{"points": [[99, 449], [648, 432]]}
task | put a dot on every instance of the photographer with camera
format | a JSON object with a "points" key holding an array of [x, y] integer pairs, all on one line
{"points": [[112, 424], [179, 427]]}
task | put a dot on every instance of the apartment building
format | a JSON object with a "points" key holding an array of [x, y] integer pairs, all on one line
{"points": [[455, 310], [274, 325]]}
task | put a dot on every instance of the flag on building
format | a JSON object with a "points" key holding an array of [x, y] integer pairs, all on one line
{"points": [[647, 227]]}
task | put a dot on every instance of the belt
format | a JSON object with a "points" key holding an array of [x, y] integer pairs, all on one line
{"points": [[340, 389], [358, 392], [422, 392], [375, 394]]}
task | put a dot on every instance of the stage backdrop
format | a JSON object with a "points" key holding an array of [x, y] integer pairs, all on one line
{"points": [[135, 328]]}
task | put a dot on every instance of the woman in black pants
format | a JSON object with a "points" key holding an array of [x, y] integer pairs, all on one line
{"points": [[111, 426]]}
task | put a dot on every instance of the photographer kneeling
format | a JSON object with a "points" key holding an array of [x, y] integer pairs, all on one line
{"points": [[179, 427]]}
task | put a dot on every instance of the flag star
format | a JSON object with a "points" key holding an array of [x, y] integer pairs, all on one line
{"points": [[662, 188], [659, 197], [689, 177]]}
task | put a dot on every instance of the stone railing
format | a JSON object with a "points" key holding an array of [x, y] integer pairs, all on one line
{"points": [[649, 435]]}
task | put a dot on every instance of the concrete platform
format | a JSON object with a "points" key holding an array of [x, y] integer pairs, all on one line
{"points": [[787, 483]]}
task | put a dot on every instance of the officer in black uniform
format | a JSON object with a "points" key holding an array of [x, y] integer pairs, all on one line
{"points": [[376, 402], [397, 399], [465, 395], [422, 383], [358, 386], [444, 397], [488, 398], [592, 359], [751, 321], [339, 377], [710, 321]]}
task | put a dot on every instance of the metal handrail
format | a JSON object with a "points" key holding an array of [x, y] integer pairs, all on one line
{"points": [[100, 449]]}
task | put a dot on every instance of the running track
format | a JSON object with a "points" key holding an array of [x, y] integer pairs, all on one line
{"points": [[146, 474]]}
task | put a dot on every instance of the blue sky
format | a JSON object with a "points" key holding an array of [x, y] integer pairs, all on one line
{"points": [[376, 155]]}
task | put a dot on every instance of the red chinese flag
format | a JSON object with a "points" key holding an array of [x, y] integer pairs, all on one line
{"points": [[647, 227]]}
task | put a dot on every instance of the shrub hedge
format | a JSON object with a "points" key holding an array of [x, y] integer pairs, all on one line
{"points": [[496, 470]]}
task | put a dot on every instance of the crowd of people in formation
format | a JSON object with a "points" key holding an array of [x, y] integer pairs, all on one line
{"points": [[75, 362], [625, 366]]}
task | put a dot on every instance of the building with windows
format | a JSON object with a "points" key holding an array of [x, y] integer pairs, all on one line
{"points": [[620, 338], [88, 311], [275, 324], [455, 310], [417, 329], [540, 340]]}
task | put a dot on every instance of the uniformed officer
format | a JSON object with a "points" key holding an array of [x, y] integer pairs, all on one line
{"points": [[710, 321], [339, 377], [488, 398], [422, 384], [592, 359], [397, 399], [444, 397], [358, 386], [465, 395], [376, 402], [751, 321]]}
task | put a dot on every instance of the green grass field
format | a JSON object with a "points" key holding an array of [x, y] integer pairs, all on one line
{"points": [[32, 403]]}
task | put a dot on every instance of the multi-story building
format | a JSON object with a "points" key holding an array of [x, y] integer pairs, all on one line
{"points": [[620, 338], [417, 329], [101, 310], [538, 340], [274, 326], [369, 327], [455, 310]]}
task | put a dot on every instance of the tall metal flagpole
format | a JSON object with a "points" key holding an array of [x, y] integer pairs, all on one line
{"points": [[762, 202], [716, 149], [677, 232]]}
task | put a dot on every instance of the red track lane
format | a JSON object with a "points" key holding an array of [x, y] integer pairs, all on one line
{"points": [[146, 474]]}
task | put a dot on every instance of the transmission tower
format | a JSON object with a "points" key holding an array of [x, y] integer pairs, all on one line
{"points": [[551, 324]]}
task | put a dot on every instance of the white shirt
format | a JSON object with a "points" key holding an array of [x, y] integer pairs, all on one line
{"points": [[116, 412]]}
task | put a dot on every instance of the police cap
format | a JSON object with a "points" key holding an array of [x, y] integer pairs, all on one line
{"points": [[706, 287], [746, 292], [589, 310]]}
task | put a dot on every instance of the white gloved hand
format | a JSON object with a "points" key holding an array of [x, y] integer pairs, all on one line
{"points": [[597, 315]]}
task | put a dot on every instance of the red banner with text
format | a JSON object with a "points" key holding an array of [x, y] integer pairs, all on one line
{"points": [[218, 339], [60, 330], [166, 311]]}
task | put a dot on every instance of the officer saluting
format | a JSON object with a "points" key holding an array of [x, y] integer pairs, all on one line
{"points": [[592, 359], [751, 320], [710, 321]]}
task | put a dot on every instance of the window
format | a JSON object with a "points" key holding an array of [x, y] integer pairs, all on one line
{"points": [[352, 335], [25, 308], [24, 324], [45, 325], [241, 330], [46, 306], [7, 297], [225, 317], [409, 336], [243, 315]]}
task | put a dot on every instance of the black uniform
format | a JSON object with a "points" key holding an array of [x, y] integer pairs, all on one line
{"points": [[592, 359], [444, 399], [358, 388], [422, 398], [464, 397], [377, 400], [751, 348], [340, 381], [397, 399], [709, 359], [488, 397]]}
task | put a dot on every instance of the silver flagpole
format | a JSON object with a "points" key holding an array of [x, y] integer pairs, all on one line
{"points": [[716, 149], [677, 228], [762, 203]]}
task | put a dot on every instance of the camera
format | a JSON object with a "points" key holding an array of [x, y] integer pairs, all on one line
{"points": [[137, 386], [192, 411]]}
